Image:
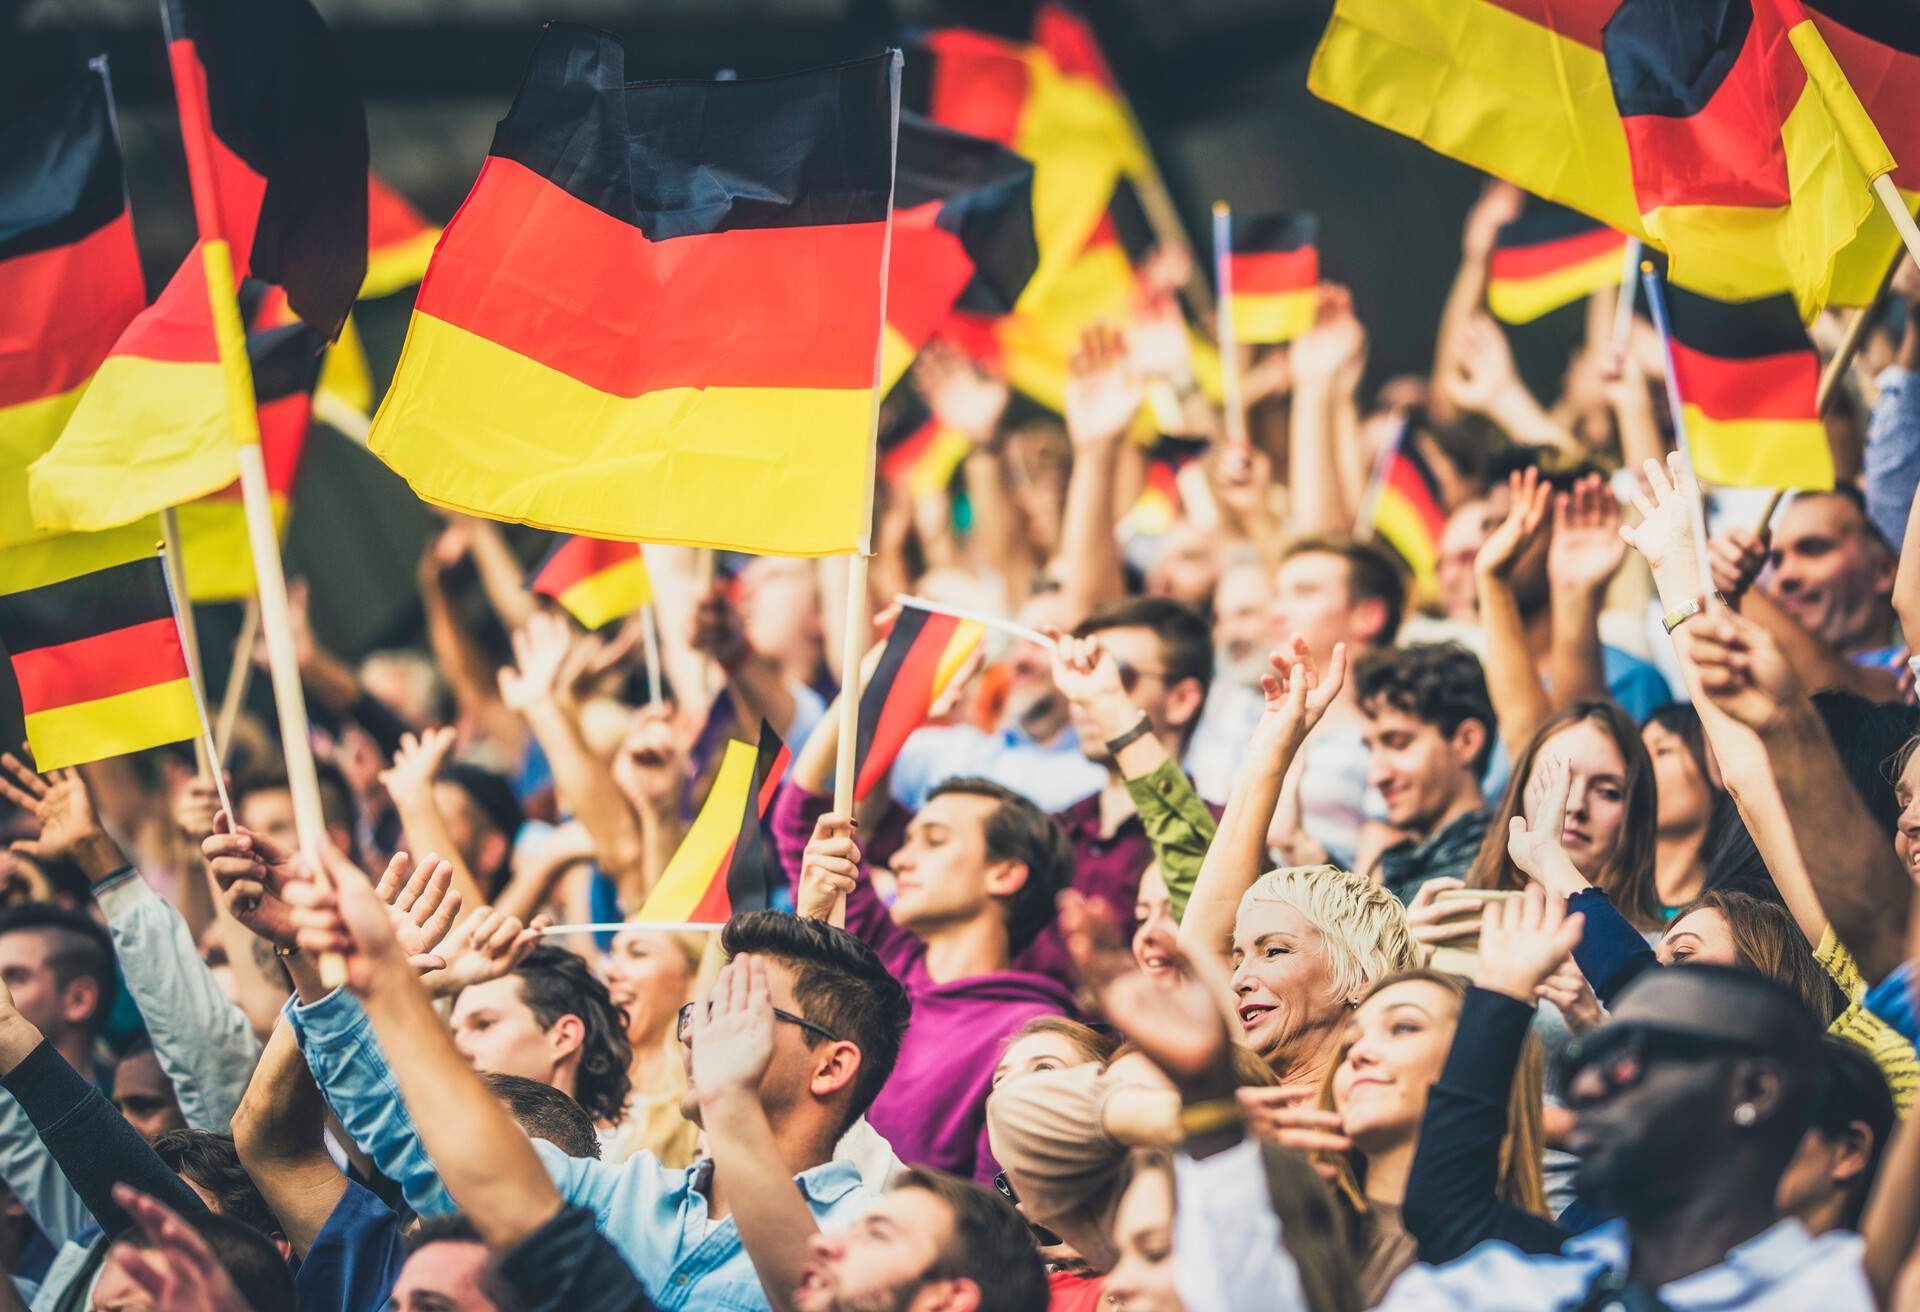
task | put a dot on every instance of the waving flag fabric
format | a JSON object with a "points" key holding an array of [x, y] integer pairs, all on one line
{"points": [[923, 654], [1549, 257], [657, 316], [596, 581], [1275, 269], [726, 864]]}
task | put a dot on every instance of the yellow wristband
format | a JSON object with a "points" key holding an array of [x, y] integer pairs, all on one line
{"points": [[1206, 1117]]}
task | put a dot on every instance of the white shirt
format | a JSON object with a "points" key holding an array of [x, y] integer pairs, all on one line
{"points": [[1228, 1256]]}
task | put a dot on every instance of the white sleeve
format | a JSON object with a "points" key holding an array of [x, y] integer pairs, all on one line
{"points": [[203, 1041], [1227, 1251]]}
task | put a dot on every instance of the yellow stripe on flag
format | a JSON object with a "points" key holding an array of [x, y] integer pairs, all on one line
{"points": [[51, 560], [1395, 520], [27, 429], [344, 371], [216, 553], [1261, 318], [398, 266], [773, 471], [111, 465], [896, 353], [966, 636], [113, 726], [1522, 300], [709, 840], [1771, 453], [611, 594]]}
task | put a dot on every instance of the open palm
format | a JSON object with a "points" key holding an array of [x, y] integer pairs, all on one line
{"points": [[1587, 548]]}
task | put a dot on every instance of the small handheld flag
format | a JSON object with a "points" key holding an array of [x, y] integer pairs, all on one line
{"points": [[1274, 265], [726, 863], [924, 652], [596, 581], [1549, 257]]}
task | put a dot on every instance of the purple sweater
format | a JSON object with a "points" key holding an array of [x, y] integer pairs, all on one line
{"points": [[933, 1110]]}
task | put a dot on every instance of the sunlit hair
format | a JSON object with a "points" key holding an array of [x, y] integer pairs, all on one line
{"points": [[1092, 1045], [1363, 926], [1766, 939], [1523, 1144], [1627, 876]]}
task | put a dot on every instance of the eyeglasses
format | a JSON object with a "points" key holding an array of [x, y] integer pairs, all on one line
{"points": [[1620, 1052], [1041, 1235], [686, 1023]]}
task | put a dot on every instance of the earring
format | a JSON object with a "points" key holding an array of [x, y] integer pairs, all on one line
{"points": [[1745, 1115]]}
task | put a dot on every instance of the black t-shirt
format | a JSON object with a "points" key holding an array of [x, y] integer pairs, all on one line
{"points": [[568, 1264]]}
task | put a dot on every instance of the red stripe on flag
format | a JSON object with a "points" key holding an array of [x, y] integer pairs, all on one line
{"points": [[77, 298], [105, 665], [536, 270], [391, 220], [1546, 257], [580, 558], [1275, 271], [979, 85], [283, 436], [178, 326], [928, 270], [1730, 152], [1764, 387], [233, 211], [716, 904], [909, 698], [1404, 478], [771, 784], [1888, 84]]}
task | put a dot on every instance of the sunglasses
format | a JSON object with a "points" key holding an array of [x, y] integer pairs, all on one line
{"points": [[1620, 1053], [1041, 1235], [686, 1023]]}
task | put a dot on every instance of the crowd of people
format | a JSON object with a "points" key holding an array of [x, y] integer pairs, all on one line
{"points": [[1283, 932]]}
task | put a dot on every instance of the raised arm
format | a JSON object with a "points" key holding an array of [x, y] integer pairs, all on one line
{"points": [[1103, 396], [1323, 357], [1585, 552], [502, 576], [651, 770], [533, 686], [409, 782], [968, 399], [1485, 381], [1512, 679], [1499, 204], [1296, 697], [280, 1133], [457, 653]]}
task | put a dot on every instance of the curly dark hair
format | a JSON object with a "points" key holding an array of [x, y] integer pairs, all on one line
{"points": [[840, 984], [556, 983]]}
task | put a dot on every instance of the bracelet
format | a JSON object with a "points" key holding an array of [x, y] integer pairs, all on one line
{"points": [[1141, 729], [1686, 610], [1201, 1118]]}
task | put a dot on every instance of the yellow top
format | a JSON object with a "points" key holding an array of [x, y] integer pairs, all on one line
{"points": [[1891, 1053]]}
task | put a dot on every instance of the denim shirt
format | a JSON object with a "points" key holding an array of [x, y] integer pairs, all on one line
{"points": [[655, 1216]]}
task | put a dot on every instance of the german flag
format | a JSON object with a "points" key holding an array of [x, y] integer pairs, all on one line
{"points": [[962, 235], [726, 864], [1723, 131], [1747, 376], [657, 315], [277, 150], [1549, 257], [1068, 121], [915, 447], [94, 648], [399, 241], [69, 273], [596, 581], [1273, 269], [216, 553], [1408, 512], [923, 654]]}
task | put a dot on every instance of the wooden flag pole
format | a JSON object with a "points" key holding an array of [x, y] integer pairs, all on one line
{"points": [[650, 645], [1897, 211], [239, 678], [203, 764], [176, 596], [1657, 303], [230, 337], [1223, 327], [1623, 306]]}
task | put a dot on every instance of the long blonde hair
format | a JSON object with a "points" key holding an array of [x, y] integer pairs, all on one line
{"points": [[1519, 1182]]}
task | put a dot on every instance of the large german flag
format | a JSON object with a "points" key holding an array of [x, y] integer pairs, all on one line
{"points": [[1723, 131], [1747, 376], [657, 315], [924, 652], [962, 235], [277, 150], [69, 273], [1273, 269], [1549, 257], [93, 648], [217, 556], [596, 581], [726, 864]]}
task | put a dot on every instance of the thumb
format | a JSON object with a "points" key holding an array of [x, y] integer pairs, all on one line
{"points": [[1568, 937]]}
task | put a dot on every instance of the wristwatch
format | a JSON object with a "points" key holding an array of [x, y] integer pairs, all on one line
{"points": [[1141, 729]]}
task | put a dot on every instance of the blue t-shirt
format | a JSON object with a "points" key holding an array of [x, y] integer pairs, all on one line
{"points": [[355, 1258]]}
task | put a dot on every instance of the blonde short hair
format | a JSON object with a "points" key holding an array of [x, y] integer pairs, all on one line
{"points": [[1363, 925]]}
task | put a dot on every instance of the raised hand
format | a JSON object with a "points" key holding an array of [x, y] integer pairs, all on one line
{"points": [[650, 767], [1335, 343], [1568, 990], [1484, 371], [731, 1033], [541, 648], [1171, 1016], [1523, 941], [829, 869], [252, 873], [1285, 1115], [1297, 696], [60, 802], [718, 630], [1735, 558], [960, 393], [177, 1271], [422, 906], [1528, 498], [343, 914], [1158, 342], [417, 763], [485, 945], [1499, 204], [1664, 535], [195, 804], [1586, 549], [1741, 668], [1088, 675], [1103, 392], [1535, 845]]}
